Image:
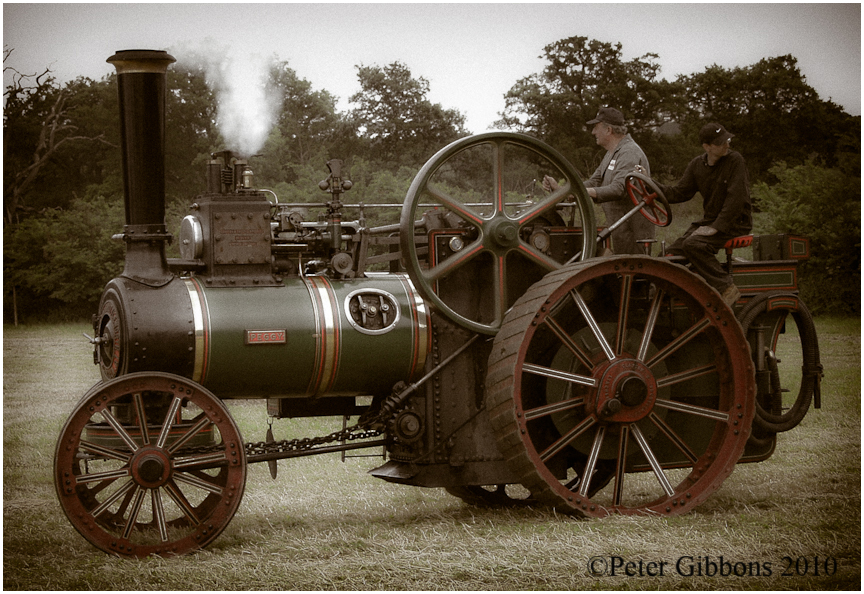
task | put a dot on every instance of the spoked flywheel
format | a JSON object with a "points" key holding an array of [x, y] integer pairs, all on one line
{"points": [[621, 386], [150, 463], [493, 236]]}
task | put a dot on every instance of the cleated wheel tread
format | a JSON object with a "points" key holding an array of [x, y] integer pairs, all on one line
{"points": [[674, 357]]}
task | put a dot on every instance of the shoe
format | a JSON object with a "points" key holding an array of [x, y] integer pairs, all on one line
{"points": [[731, 294]]}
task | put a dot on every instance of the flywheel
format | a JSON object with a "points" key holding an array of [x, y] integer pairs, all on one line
{"points": [[497, 245]]}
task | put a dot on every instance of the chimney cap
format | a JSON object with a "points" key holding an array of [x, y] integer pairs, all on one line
{"points": [[131, 61]]}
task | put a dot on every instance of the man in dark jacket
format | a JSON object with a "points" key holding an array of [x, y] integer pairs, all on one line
{"points": [[720, 175]]}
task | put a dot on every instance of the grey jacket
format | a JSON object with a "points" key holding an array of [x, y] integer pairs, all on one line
{"points": [[609, 183]]}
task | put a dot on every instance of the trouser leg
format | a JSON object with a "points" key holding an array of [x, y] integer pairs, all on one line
{"points": [[625, 239], [700, 252]]}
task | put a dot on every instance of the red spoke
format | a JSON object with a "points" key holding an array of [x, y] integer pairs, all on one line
{"points": [[455, 261], [499, 274], [133, 513], [683, 376], [649, 324], [568, 342], [676, 344], [142, 417], [537, 256], [620, 467], [498, 176], [699, 411], [592, 460], [180, 499], [454, 205], [673, 437], [103, 507], [159, 514], [582, 380], [201, 424], [104, 451], [652, 460], [169, 420], [201, 461], [592, 323], [198, 483], [118, 428], [549, 203]]}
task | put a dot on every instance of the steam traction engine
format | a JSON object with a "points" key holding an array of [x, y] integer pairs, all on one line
{"points": [[507, 355]]}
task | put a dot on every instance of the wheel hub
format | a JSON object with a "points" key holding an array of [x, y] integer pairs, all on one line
{"points": [[504, 232], [151, 468], [632, 391], [627, 391]]}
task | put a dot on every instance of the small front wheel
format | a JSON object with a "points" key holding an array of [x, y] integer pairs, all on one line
{"points": [[149, 464]]}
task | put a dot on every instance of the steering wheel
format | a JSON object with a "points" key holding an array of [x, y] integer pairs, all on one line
{"points": [[642, 189], [477, 184]]}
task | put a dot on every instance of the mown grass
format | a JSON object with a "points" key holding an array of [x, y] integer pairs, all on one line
{"points": [[324, 524]]}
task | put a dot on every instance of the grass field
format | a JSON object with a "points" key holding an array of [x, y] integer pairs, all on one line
{"points": [[325, 524]]}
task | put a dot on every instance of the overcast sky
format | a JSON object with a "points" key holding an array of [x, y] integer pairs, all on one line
{"points": [[471, 54]]}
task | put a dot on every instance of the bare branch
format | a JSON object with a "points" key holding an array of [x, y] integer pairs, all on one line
{"points": [[51, 139]]}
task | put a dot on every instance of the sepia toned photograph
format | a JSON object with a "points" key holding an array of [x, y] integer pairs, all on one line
{"points": [[456, 297]]}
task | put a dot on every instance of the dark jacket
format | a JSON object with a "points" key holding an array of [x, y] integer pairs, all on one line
{"points": [[725, 189]]}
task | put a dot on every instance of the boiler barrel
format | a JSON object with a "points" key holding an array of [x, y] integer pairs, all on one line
{"points": [[314, 336]]}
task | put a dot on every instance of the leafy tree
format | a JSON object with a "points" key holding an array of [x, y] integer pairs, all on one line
{"points": [[62, 260], [774, 113], [305, 131], [823, 204], [395, 118], [190, 132], [581, 76]]}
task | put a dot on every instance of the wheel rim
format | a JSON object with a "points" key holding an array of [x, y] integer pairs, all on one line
{"points": [[773, 311], [626, 365], [494, 230], [642, 188], [166, 490]]}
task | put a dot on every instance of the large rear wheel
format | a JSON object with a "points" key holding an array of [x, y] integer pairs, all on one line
{"points": [[625, 365]]}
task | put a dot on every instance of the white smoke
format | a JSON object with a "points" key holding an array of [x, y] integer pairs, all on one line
{"points": [[248, 104]]}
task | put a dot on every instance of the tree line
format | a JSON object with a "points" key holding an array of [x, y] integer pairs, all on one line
{"points": [[63, 177]]}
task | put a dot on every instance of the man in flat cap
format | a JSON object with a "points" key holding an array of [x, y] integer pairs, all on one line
{"points": [[720, 175], [606, 185]]}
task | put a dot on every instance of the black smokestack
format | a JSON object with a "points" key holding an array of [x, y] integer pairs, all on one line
{"points": [[141, 83]]}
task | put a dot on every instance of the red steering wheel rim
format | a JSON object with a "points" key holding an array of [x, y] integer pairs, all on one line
{"points": [[642, 189]]}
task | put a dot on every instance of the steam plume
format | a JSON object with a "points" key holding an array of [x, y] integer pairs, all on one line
{"points": [[248, 104]]}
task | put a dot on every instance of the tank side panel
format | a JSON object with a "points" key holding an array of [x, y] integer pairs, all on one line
{"points": [[238, 362], [299, 340]]}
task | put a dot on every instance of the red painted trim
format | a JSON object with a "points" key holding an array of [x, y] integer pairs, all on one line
{"points": [[328, 353], [318, 366]]}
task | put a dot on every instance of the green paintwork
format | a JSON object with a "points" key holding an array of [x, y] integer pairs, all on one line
{"points": [[316, 358]]}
